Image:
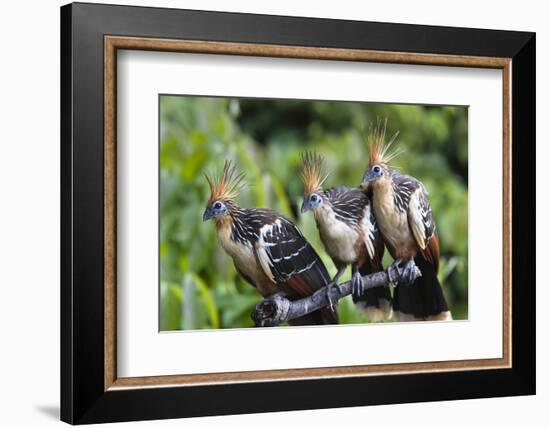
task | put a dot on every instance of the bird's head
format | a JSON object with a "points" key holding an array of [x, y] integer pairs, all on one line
{"points": [[312, 201], [223, 191], [313, 177], [379, 155], [373, 173], [216, 209]]}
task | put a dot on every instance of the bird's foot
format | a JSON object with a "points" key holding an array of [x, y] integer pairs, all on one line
{"points": [[395, 271], [403, 272], [330, 286], [409, 272], [356, 286]]}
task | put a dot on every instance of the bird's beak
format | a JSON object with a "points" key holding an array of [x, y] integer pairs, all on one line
{"points": [[368, 176], [305, 206], [207, 214]]}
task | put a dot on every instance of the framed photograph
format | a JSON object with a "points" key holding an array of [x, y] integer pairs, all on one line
{"points": [[272, 213]]}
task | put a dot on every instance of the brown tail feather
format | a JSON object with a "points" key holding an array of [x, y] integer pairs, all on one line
{"points": [[299, 286], [431, 253], [423, 299], [377, 301]]}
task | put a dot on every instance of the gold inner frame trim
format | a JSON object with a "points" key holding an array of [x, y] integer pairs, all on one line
{"points": [[113, 43]]}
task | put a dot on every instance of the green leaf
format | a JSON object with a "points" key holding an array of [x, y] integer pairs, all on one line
{"points": [[208, 300]]}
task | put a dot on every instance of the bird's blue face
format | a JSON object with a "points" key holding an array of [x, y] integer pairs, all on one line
{"points": [[214, 210], [374, 173], [311, 202]]}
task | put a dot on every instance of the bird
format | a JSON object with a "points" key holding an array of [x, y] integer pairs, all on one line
{"points": [[404, 215], [349, 233], [267, 249]]}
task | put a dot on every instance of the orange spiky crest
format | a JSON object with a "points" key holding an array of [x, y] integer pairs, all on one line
{"points": [[227, 186], [313, 172], [379, 150]]}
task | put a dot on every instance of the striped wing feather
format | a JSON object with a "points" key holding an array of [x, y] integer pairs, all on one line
{"points": [[373, 238], [347, 203], [422, 225], [353, 206], [288, 258]]}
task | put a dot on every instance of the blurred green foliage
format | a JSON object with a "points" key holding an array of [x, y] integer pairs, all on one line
{"points": [[199, 285]]}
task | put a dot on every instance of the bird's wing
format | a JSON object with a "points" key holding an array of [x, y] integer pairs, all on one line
{"points": [[372, 236], [422, 225], [290, 261], [353, 207], [286, 257], [347, 203]]}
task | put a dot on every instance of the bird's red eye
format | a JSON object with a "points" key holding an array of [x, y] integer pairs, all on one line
{"points": [[217, 205]]}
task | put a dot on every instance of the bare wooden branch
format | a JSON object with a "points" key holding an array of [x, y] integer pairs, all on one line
{"points": [[277, 309]]}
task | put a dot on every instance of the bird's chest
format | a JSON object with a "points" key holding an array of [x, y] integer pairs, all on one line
{"points": [[394, 226], [245, 261], [339, 238]]}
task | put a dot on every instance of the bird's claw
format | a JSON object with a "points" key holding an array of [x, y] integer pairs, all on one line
{"points": [[410, 271], [356, 286], [403, 272], [329, 298], [394, 272]]}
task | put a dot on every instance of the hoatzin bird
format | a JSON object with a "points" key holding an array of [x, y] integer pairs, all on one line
{"points": [[349, 233], [268, 250], [404, 216]]}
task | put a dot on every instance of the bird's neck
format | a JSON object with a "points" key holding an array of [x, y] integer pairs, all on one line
{"points": [[384, 205], [382, 191], [330, 226], [324, 215], [225, 223]]}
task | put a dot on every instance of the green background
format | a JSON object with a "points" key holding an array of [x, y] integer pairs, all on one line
{"points": [[199, 287]]}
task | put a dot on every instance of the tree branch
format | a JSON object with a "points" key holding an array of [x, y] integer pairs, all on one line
{"points": [[277, 309]]}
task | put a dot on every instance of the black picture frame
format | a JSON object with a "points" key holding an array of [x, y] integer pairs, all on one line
{"points": [[83, 398]]}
